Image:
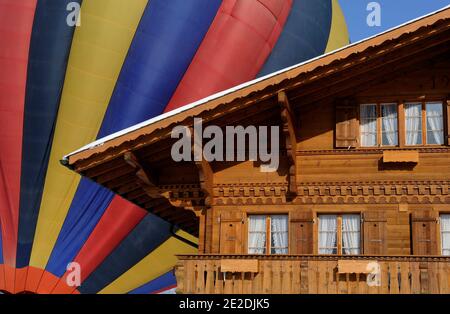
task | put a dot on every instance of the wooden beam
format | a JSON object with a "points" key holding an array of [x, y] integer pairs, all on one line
{"points": [[172, 213], [158, 209], [104, 168], [133, 194], [154, 203], [120, 181], [113, 174], [290, 132], [184, 220]]}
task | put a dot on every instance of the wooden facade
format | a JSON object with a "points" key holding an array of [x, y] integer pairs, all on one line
{"points": [[399, 191]]}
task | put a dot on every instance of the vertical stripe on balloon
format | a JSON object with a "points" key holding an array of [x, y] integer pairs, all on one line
{"points": [[49, 50], [156, 61], [16, 21], [98, 51]]}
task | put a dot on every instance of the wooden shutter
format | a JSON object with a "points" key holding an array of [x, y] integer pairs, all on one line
{"points": [[346, 125], [447, 121], [424, 233], [375, 233], [301, 232], [231, 233]]}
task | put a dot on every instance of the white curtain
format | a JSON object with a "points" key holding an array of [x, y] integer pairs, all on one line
{"points": [[413, 117], [435, 129], [327, 234], [390, 134], [257, 235], [279, 234], [351, 234], [368, 117], [445, 234]]}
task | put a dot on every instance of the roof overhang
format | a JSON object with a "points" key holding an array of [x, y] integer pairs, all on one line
{"points": [[305, 83]]}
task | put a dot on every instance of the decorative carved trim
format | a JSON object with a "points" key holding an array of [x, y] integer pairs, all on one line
{"points": [[433, 188], [290, 127], [425, 192], [324, 200], [192, 197]]}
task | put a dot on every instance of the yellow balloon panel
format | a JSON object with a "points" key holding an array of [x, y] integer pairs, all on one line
{"points": [[99, 48], [338, 33], [157, 263]]}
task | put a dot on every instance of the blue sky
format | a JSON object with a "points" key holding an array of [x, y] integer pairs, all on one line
{"points": [[393, 13]]}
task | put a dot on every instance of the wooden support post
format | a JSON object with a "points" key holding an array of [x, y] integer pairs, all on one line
{"points": [[201, 233], [291, 136]]}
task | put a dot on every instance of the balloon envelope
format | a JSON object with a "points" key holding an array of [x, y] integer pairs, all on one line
{"points": [[62, 87]]}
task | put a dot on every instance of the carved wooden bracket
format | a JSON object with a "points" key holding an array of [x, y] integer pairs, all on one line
{"points": [[192, 200], [146, 178], [205, 172], [291, 135]]}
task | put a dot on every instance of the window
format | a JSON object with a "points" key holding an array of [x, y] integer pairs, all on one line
{"points": [[279, 234], [376, 118], [435, 123], [368, 118], [257, 235], [389, 125], [259, 226], [328, 234], [445, 234], [424, 123], [413, 124], [340, 234]]}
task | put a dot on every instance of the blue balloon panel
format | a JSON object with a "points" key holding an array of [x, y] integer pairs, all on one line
{"points": [[49, 52]]}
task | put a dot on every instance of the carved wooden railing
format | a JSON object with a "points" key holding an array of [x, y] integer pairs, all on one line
{"points": [[312, 274]]}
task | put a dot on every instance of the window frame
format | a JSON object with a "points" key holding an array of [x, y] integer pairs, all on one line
{"points": [[379, 123], [425, 127], [339, 233], [425, 123], [401, 121], [268, 246]]}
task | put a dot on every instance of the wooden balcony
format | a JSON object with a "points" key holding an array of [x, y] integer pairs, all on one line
{"points": [[312, 274]]}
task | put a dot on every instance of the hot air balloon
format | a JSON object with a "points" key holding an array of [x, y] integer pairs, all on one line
{"points": [[63, 86]]}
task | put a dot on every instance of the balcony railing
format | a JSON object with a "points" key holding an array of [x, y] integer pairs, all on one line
{"points": [[312, 274]]}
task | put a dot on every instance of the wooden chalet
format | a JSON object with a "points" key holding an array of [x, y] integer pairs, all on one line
{"points": [[360, 202]]}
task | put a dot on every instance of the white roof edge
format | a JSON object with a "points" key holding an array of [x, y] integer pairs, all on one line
{"points": [[163, 116]]}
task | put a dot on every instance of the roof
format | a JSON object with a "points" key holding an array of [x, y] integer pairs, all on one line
{"points": [[136, 163], [257, 85]]}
